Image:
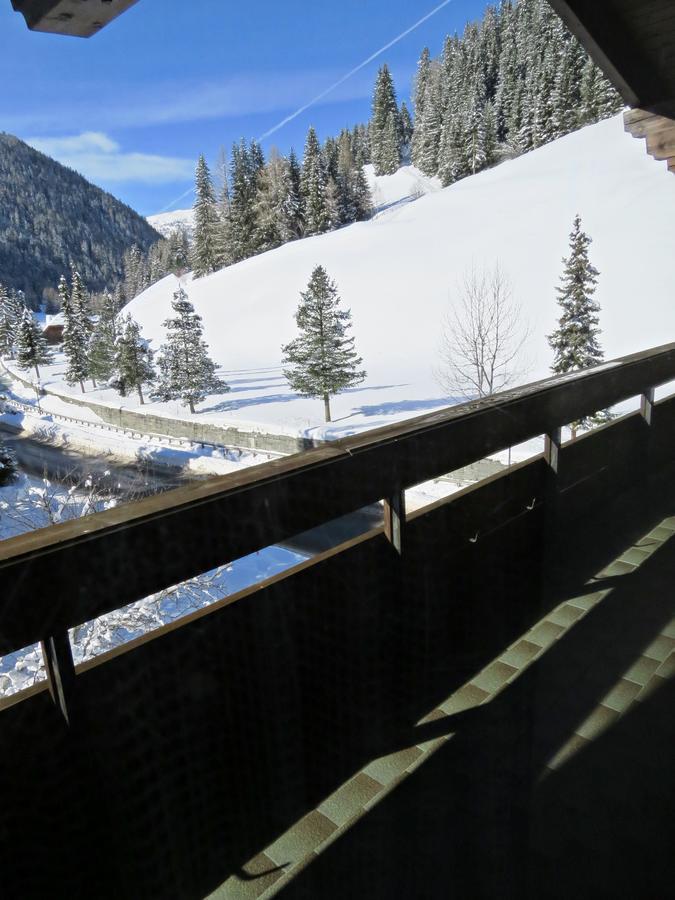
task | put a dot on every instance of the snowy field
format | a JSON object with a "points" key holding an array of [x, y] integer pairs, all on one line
{"points": [[398, 274]]}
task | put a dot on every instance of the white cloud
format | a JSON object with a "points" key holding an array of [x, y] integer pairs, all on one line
{"points": [[99, 158], [124, 105]]}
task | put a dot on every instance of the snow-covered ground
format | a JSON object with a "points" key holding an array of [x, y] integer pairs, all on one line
{"points": [[52, 422], [167, 222], [398, 273]]}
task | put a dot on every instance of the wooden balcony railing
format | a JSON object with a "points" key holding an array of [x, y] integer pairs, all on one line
{"points": [[60, 577]]}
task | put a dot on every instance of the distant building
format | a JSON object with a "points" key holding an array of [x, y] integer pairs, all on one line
{"points": [[53, 328]]}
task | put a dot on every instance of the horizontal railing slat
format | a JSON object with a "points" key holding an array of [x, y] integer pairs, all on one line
{"points": [[62, 576]]}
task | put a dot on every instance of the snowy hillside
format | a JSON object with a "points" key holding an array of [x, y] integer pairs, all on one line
{"points": [[168, 222], [398, 274]]}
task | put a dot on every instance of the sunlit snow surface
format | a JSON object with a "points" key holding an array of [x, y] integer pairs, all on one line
{"points": [[398, 274]]}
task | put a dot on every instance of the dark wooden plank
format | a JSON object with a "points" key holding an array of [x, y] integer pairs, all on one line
{"points": [[610, 44], [98, 564], [70, 17]]}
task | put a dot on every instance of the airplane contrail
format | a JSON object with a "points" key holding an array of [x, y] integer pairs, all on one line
{"points": [[333, 87], [353, 72]]}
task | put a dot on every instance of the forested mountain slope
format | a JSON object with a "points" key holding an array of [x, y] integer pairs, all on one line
{"points": [[51, 217]]}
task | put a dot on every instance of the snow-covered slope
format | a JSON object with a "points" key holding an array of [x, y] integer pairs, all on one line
{"points": [[398, 274], [404, 186], [168, 222]]}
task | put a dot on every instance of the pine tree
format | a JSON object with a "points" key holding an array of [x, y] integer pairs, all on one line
{"points": [[385, 125], [428, 135], [294, 199], [83, 324], [313, 184], [186, 372], [133, 358], [10, 315], [74, 339], [362, 197], [103, 349], [207, 250], [422, 79], [575, 342], [8, 464], [31, 347], [322, 361], [275, 205], [407, 130], [243, 232]]}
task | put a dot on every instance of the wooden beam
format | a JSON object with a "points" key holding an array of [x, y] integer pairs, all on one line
{"points": [[58, 658], [610, 46], [394, 520], [119, 556], [70, 17]]}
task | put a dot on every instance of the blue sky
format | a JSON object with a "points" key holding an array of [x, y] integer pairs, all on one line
{"points": [[133, 107]]}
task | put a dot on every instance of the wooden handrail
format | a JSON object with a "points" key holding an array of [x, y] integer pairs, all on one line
{"points": [[59, 577]]}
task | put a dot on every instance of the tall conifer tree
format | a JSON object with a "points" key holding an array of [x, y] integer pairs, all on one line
{"points": [[133, 358], [31, 347], [186, 371], [207, 250], [75, 338], [385, 125], [322, 361], [313, 185], [575, 341]]}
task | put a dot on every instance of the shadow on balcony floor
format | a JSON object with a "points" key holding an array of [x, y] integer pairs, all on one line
{"points": [[549, 774]]}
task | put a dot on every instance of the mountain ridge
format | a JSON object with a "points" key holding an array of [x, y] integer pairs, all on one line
{"points": [[52, 217]]}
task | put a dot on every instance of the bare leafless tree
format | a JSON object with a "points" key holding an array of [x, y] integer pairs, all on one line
{"points": [[482, 337]]}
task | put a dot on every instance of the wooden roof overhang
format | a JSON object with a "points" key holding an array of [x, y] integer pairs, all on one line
{"points": [[633, 42], [80, 18]]}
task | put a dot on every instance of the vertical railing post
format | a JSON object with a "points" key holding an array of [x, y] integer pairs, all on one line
{"points": [[58, 657], [552, 444], [647, 405], [394, 520]]}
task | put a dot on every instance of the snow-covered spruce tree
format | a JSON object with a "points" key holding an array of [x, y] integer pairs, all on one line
{"points": [[75, 339], [313, 185], [207, 250], [186, 371], [102, 349], [385, 125], [322, 361], [407, 129], [575, 341], [32, 350], [422, 81], [294, 199], [133, 358], [242, 232], [275, 204], [10, 316], [79, 301], [8, 464], [428, 134]]}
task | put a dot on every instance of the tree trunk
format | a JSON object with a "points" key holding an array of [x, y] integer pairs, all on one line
{"points": [[93, 381], [192, 407], [82, 386], [140, 395], [326, 407], [37, 372]]}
